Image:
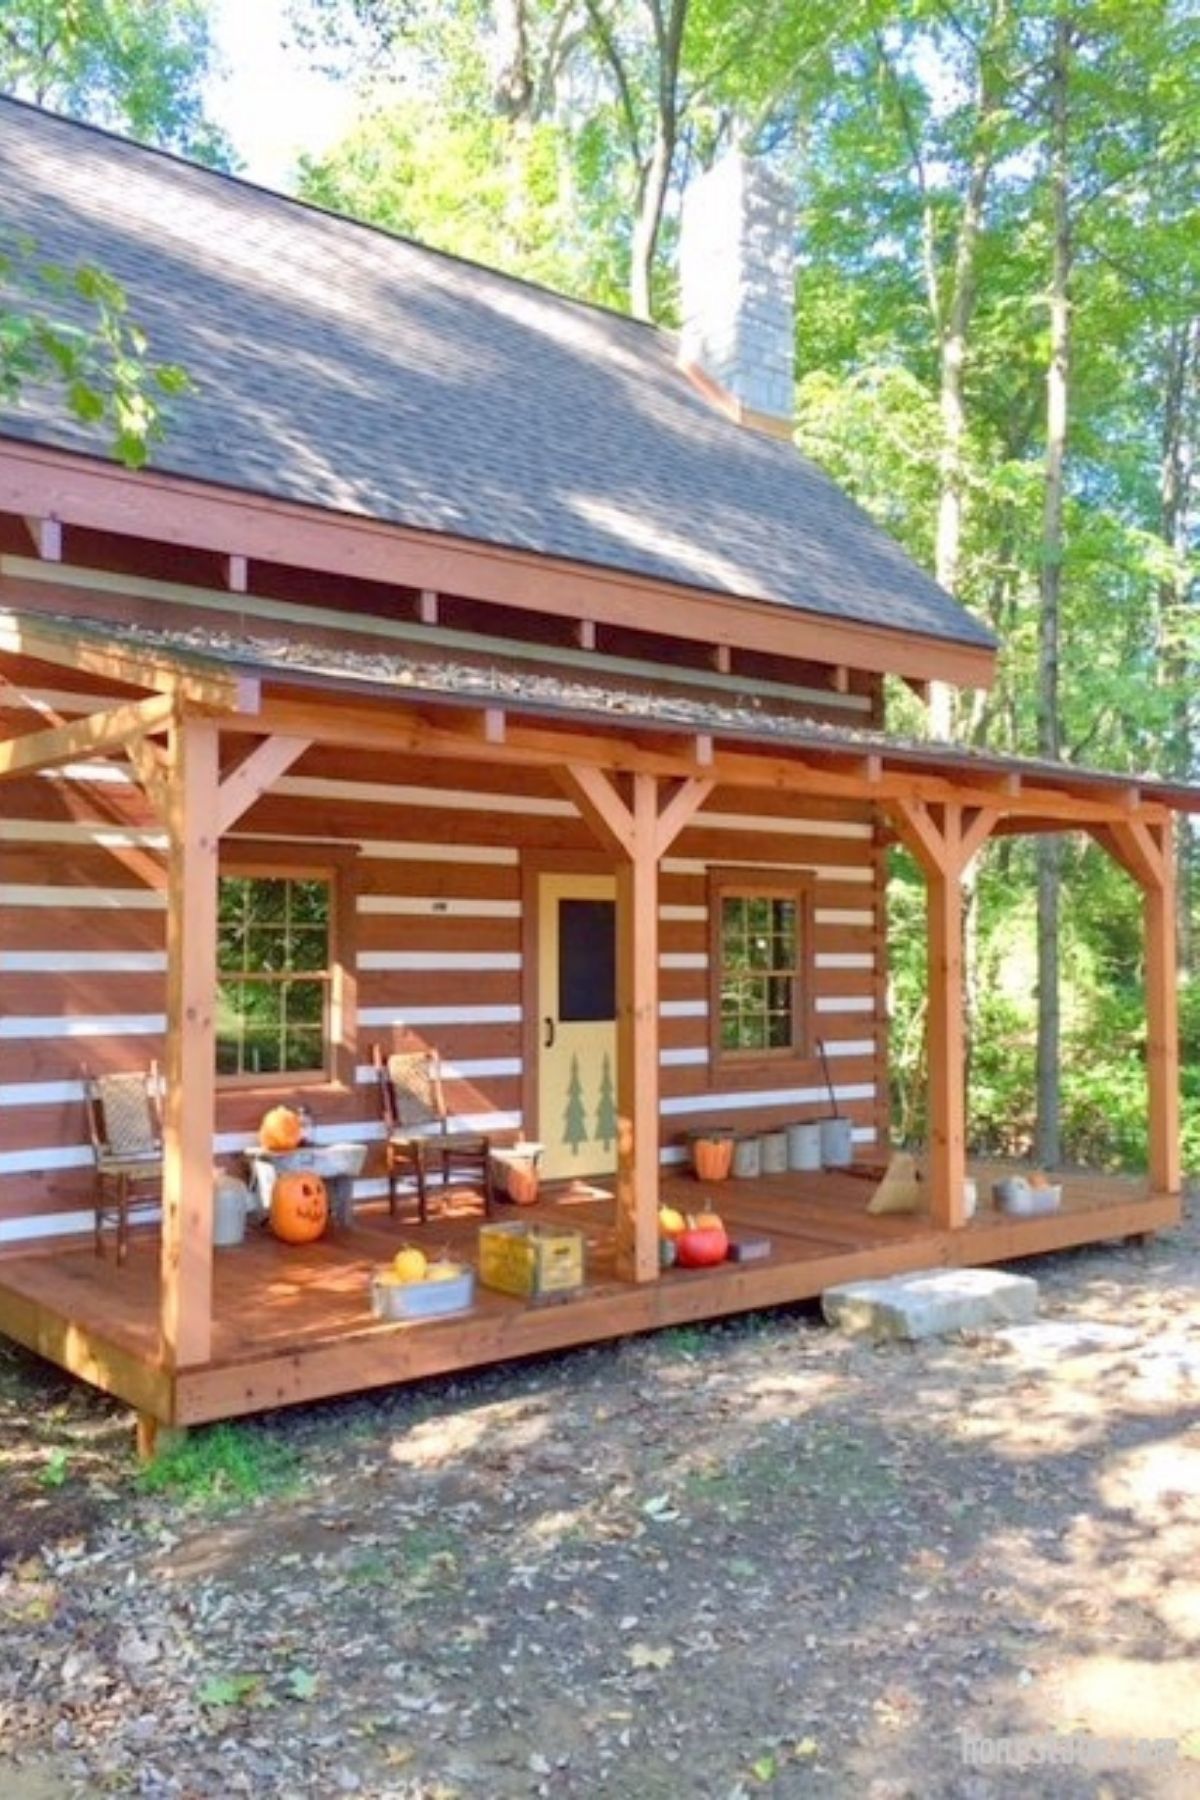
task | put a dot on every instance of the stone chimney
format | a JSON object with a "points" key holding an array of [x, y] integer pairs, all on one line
{"points": [[737, 277]]}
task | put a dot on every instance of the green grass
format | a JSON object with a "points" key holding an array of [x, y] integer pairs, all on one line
{"points": [[219, 1464], [683, 1340]]}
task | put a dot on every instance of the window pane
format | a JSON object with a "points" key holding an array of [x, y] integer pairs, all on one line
{"points": [[310, 947], [304, 1002], [587, 959], [310, 903], [231, 947], [759, 949], [270, 925], [266, 950], [266, 899], [304, 1049]]}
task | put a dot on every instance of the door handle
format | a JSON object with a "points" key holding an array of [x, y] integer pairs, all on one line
{"points": [[548, 1039]]}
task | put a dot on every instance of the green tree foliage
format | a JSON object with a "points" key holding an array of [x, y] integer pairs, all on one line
{"points": [[580, 121], [70, 329], [555, 137], [136, 66]]}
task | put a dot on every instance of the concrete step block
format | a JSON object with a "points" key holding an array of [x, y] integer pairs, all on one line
{"points": [[931, 1303]]}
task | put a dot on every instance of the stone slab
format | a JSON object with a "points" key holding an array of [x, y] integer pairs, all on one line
{"points": [[931, 1303]]}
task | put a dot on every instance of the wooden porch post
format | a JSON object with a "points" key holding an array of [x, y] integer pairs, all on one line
{"points": [[1162, 1026], [190, 1109], [637, 1042], [638, 832], [946, 1044], [1147, 853], [944, 849]]}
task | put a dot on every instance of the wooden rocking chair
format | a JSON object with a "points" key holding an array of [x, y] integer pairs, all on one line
{"points": [[126, 1132], [419, 1140]]}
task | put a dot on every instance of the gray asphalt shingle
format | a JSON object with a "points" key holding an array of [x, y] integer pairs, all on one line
{"points": [[345, 368]]}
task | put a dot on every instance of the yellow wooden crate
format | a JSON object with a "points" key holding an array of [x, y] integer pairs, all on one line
{"points": [[534, 1261]]}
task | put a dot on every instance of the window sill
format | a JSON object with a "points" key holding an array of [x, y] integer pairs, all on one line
{"points": [[275, 1089]]}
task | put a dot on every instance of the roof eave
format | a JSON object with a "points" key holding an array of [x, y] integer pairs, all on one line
{"points": [[92, 492]]}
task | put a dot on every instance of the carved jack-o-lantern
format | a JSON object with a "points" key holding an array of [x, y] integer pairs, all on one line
{"points": [[299, 1207]]}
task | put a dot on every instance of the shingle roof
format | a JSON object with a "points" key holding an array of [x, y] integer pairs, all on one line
{"points": [[345, 368]]}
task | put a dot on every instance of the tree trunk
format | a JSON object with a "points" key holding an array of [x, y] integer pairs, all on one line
{"points": [[953, 341], [1048, 1141], [654, 178], [512, 82], [652, 194]]}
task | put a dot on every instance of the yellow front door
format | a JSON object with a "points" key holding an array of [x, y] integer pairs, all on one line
{"points": [[577, 1031]]}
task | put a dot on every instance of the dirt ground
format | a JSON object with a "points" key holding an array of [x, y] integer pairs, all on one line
{"points": [[746, 1559]]}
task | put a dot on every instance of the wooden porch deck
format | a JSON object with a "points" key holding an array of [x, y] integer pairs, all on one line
{"points": [[293, 1324]]}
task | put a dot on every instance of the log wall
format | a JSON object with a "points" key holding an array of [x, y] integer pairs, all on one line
{"points": [[437, 939]]}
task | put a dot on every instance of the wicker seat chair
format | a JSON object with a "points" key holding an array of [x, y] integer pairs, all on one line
{"points": [[126, 1132], [419, 1140]]}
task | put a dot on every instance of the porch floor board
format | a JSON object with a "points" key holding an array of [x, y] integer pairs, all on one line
{"points": [[293, 1323]]}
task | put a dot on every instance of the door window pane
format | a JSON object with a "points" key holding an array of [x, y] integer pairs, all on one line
{"points": [[587, 960]]}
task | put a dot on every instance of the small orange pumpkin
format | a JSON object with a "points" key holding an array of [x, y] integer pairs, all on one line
{"points": [[299, 1207], [281, 1129], [707, 1221]]}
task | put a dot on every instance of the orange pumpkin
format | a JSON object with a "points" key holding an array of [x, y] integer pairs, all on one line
{"points": [[299, 1207], [281, 1129], [712, 1157]]}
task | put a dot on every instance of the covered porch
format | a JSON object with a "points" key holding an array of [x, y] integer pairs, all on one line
{"points": [[186, 1333], [293, 1324]]}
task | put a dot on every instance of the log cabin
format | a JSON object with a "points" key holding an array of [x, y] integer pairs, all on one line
{"points": [[506, 652]]}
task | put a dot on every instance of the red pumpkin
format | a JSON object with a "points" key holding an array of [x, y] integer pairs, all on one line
{"points": [[701, 1246], [281, 1129], [299, 1207]]}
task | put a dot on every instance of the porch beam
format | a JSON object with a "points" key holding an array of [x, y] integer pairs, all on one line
{"points": [[1162, 1026], [397, 729], [133, 667], [594, 793], [637, 833], [93, 735], [946, 1047], [638, 1159], [190, 1108], [945, 847], [1146, 853], [149, 763], [678, 812], [976, 830], [254, 775]]}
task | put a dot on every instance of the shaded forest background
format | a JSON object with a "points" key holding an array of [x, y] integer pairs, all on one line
{"points": [[998, 353]]}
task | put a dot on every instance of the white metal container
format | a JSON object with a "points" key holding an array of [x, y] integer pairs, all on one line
{"points": [[804, 1146], [422, 1299], [231, 1203], [774, 1152], [837, 1143], [747, 1158]]}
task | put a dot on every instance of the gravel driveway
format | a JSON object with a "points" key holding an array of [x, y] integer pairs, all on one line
{"points": [[747, 1559]]}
